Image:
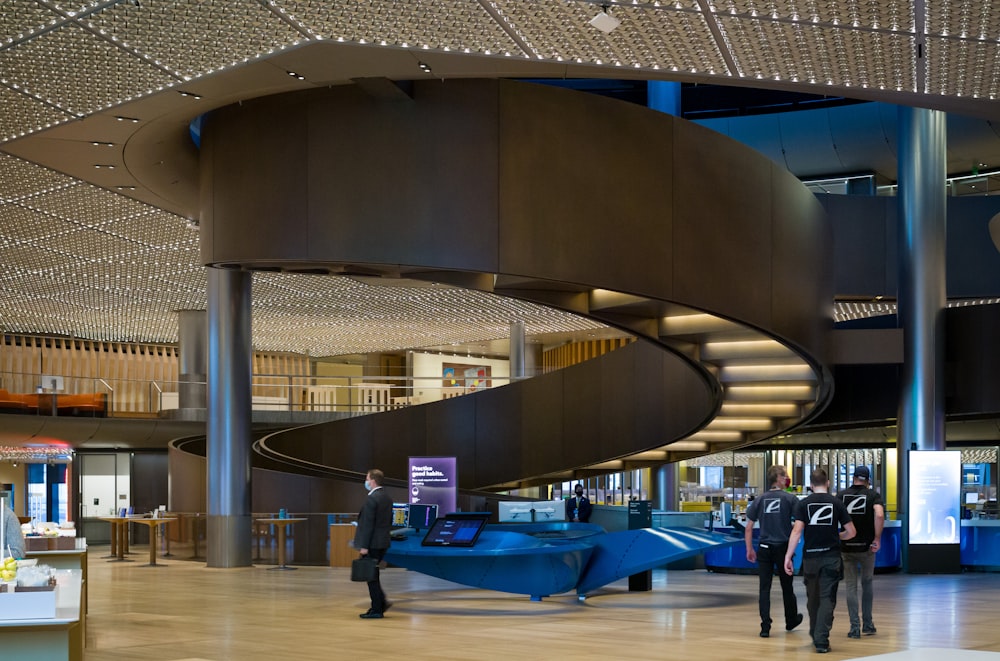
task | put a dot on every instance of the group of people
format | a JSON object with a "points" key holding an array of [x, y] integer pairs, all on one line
{"points": [[841, 535]]}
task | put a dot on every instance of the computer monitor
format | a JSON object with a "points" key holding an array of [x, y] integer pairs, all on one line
{"points": [[399, 512], [549, 510], [456, 530], [422, 516], [512, 511]]}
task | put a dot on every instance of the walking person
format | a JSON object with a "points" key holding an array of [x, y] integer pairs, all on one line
{"points": [[372, 537], [822, 521], [867, 512], [773, 510]]}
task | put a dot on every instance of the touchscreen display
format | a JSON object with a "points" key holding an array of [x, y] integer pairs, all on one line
{"points": [[455, 531]]}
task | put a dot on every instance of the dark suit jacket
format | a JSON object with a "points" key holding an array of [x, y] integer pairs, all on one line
{"points": [[374, 521], [583, 509]]}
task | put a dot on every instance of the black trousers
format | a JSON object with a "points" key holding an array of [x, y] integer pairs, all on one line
{"points": [[771, 561], [375, 587], [822, 575]]}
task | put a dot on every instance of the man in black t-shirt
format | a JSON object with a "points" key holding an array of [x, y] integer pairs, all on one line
{"points": [[818, 521], [868, 514], [773, 511]]}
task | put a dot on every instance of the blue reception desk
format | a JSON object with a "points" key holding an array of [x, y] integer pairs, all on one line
{"points": [[888, 558], [981, 544]]}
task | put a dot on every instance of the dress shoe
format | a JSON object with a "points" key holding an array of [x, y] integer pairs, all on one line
{"points": [[796, 622], [868, 631], [820, 649], [371, 616], [854, 633], [764, 633]]}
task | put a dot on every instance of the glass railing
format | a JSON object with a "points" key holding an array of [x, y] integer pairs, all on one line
{"points": [[37, 394]]}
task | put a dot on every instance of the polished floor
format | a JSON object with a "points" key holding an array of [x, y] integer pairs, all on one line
{"points": [[184, 611]]}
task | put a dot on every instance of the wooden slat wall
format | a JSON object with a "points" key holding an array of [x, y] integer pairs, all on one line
{"points": [[129, 368], [577, 352]]}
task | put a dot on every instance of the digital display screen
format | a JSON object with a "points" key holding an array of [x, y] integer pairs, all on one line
{"points": [[455, 531], [399, 511], [422, 516], [935, 492]]}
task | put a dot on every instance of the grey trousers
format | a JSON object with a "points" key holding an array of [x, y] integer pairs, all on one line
{"points": [[859, 567]]}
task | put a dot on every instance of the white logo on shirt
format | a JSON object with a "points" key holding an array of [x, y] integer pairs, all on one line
{"points": [[772, 506], [820, 514], [856, 504]]}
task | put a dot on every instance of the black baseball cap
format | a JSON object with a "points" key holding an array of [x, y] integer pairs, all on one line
{"points": [[863, 473]]}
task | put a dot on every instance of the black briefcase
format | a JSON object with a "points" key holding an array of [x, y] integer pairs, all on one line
{"points": [[364, 569]]}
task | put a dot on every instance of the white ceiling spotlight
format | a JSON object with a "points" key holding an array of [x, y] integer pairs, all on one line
{"points": [[604, 21]]}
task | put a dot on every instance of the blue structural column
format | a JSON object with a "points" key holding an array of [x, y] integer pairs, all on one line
{"points": [[665, 485], [229, 419], [922, 292], [664, 96]]}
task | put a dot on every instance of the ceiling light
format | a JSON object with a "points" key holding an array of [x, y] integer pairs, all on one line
{"points": [[426, 68], [189, 94], [297, 76], [122, 118], [604, 21]]}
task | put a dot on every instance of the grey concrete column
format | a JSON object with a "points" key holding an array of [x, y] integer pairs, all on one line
{"points": [[922, 293], [664, 96], [192, 326], [665, 495], [516, 350], [229, 416]]}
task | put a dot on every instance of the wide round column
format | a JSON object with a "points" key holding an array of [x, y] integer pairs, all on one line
{"points": [[665, 480], [229, 418], [922, 291]]}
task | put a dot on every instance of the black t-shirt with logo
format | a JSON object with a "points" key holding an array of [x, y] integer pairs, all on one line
{"points": [[773, 509], [860, 502], [823, 516]]}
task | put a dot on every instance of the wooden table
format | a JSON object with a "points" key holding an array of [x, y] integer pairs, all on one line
{"points": [[281, 524], [154, 525], [119, 537]]}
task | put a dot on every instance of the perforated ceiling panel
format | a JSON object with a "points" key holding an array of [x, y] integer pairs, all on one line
{"points": [[80, 260]]}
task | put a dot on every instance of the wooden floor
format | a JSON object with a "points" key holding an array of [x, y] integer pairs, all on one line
{"points": [[184, 611]]}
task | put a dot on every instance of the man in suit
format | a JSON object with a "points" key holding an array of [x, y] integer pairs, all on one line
{"points": [[578, 508], [372, 537]]}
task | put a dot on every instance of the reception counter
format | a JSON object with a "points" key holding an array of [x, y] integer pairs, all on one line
{"points": [[734, 559], [980, 544]]}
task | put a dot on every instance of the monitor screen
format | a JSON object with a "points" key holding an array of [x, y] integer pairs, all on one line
{"points": [[515, 512], [456, 530], [399, 511], [422, 516]]}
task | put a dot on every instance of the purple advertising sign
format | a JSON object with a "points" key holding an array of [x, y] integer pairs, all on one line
{"points": [[434, 481]]}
